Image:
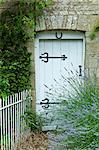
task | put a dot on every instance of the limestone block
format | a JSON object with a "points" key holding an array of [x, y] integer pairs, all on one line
{"points": [[63, 13], [37, 24], [93, 19], [92, 47], [64, 22], [57, 22], [93, 63], [54, 22], [42, 23], [74, 22], [71, 12], [48, 22], [97, 73], [83, 23], [69, 22]]}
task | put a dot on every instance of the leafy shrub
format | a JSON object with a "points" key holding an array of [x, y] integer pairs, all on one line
{"points": [[4, 82], [78, 114], [15, 70], [34, 121], [17, 26]]}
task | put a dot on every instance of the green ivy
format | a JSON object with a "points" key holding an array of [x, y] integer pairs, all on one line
{"points": [[17, 26]]}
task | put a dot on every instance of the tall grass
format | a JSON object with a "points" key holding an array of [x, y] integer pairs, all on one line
{"points": [[78, 114], [34, 121]]}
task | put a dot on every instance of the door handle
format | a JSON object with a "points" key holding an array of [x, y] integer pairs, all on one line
{"points": [[80, 70], [45, 102], [45, 57]]}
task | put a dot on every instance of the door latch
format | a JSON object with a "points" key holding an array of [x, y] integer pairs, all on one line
{"points": [[47, 57], [45, 103], [80, 70]]}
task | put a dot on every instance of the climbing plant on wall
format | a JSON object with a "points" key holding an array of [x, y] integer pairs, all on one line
{"points": [[17, 26]]}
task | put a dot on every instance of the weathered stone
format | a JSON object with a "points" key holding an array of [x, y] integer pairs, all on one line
{"points": [[79, 15], [97, 73], [42, 23], [83, 23], [48, 23], [54, 22], [64, 22], [69, 22]]}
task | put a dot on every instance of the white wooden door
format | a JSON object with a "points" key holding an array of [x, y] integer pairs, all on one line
{"points": [[48, 73]]}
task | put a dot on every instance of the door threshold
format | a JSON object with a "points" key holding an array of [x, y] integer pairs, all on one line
{"points": [[49, 128]]}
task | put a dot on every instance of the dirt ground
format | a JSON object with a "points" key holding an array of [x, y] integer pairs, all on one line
{"points": [[34, 141]]}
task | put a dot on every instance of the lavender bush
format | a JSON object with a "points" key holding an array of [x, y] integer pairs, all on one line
{"points": [[78, 114]]}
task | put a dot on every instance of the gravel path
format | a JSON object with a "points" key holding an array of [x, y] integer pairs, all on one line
{"points": [[55, 141]]}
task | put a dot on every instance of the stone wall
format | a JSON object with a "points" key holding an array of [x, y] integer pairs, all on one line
{"points": [[75, 15]]}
